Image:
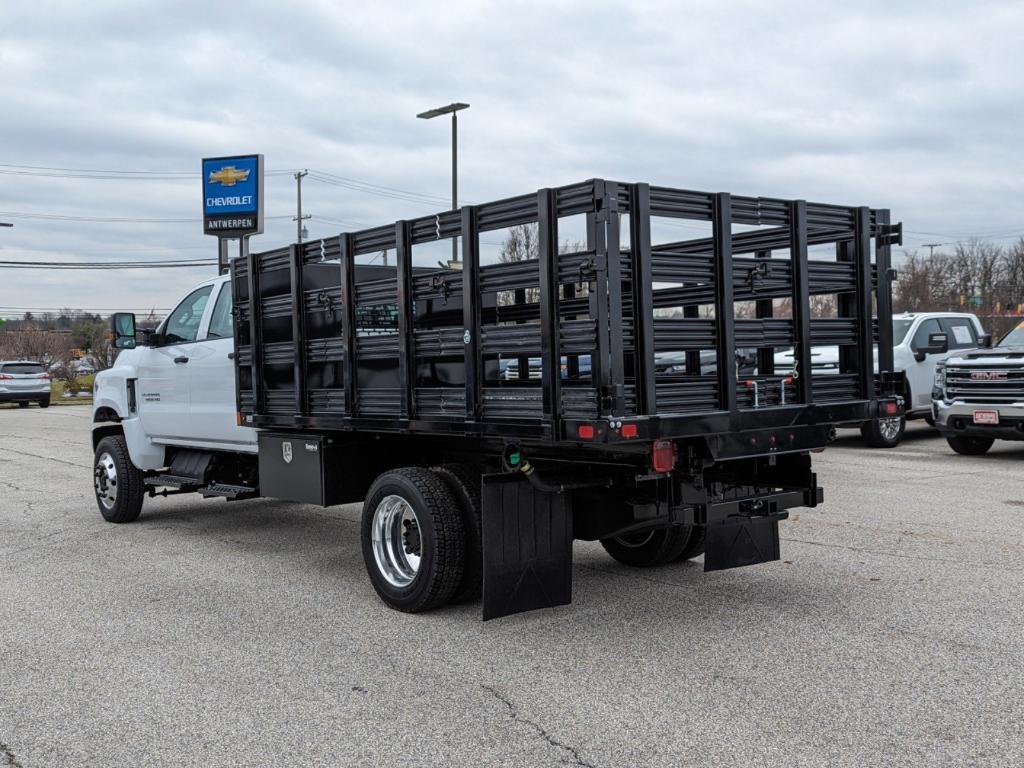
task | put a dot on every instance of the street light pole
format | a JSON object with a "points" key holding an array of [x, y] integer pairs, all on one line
{"points": [[298, 200], [451, 109]]}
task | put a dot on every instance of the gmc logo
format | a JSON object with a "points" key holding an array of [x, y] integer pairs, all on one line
{"points": [[988, 376]]}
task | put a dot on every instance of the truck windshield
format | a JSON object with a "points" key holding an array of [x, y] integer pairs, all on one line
{"points": [[899, 330], [1014, 338]]}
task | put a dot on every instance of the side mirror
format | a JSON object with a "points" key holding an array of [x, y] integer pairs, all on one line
{"points": [[938, 343], [985, 341], [122, 330]]}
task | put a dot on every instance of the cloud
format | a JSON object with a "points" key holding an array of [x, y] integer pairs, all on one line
{"points": [[911, 106]]}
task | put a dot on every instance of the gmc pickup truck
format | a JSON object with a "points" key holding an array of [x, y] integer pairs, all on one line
{"points": [[978, 396], [310, 375]]}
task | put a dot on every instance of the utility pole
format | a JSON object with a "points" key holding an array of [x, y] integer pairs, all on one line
{"points": [[931, 247], [299, 229], [451, 109]]}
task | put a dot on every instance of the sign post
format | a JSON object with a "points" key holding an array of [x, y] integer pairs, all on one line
{"points": [[232, 202]]}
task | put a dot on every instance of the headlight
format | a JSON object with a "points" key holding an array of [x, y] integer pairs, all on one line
{"points": [[940, 377]]}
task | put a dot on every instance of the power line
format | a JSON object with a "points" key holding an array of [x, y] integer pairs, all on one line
{"points": [[104, 265], [104, 219]]}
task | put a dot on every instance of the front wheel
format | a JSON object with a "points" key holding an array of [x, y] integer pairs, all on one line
{"points": [[970, 446], [44, 403], [413, 539], [883, 433], [117, 482], [23, 403]]}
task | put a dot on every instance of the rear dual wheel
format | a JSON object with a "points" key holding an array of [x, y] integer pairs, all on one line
{"points": [[414, 540], [657, 547]]}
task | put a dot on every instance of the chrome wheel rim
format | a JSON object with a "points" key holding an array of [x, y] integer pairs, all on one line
{"points": [[396, 539], [105, 480], [889, 428], [636, 540]]}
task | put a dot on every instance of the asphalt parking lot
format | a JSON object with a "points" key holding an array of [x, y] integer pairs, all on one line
{"points": [[215, 634]]}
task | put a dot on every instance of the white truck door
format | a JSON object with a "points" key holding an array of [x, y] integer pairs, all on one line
{"points": [[921, 373], [212, 408], [163, 370]]}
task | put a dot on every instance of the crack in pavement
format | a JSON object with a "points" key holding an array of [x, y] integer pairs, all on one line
{"points": [[6, 754], [45, 458], [516, 717]]}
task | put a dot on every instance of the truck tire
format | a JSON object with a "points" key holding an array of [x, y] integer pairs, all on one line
{"points": [[970, 446], [694, 544], [413, 539], [44, 403], [883, 433], [118, 484], [463, 481], [649, 548]]}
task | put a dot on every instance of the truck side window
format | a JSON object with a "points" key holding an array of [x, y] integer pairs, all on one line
{"points": [[961, 332], [929, 326], [221, 326], [183, 323]]}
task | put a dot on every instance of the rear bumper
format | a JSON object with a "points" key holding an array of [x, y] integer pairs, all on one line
{"points": [[957, 418], [26, 396]]}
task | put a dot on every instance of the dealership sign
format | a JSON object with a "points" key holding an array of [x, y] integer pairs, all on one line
{"points": [[233, 195]]}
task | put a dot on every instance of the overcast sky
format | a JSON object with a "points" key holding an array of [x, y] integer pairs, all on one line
{"points": [[912, 106]]}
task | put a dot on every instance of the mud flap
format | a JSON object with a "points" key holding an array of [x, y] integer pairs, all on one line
{"points": [[527, 547], [742, 540]]}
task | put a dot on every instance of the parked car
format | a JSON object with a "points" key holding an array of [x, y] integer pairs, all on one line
{"points": [[912, 355], [24, 382]]}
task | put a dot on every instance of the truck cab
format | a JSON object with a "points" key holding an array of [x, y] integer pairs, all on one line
{"points": [[177, 390]]}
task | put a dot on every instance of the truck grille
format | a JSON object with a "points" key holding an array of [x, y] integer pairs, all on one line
{"points": [[985, 385]]}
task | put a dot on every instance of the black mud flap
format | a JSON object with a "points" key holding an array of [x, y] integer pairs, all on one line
{"points": [[742, 540], [527, 547]]}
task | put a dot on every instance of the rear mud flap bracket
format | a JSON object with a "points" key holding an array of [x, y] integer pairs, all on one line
{"points": [[527, 547], [742, 540]]}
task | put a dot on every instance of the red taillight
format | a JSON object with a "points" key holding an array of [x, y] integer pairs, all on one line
{"points": [[663, 455], [5, 376], [44, 376], [889, 408], [586, 431], [629, 430]]}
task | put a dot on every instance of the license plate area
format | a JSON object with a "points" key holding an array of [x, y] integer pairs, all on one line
{"points": [[986, 417]]}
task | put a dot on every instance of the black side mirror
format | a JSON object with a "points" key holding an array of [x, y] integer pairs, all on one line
{"points": [[985, 341], [122, 330], [938, 343]]}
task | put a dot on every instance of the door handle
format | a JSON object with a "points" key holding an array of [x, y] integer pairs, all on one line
{"points": [[181, 359], [231, 355]]}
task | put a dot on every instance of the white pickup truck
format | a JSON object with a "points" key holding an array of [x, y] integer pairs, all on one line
{"points": [[178, 390], [912, 355]]}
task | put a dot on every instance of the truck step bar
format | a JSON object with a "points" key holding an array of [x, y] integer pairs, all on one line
{"points": [[178, 482], [229, 492]]}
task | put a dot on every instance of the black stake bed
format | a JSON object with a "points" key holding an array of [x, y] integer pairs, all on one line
{"points": [[574, 347]]}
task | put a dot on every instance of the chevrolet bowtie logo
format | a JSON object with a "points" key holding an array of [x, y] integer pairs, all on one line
{"points": [[228, 176]]}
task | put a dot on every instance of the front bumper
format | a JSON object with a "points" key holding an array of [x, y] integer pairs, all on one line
{"points": [[957, 418]]}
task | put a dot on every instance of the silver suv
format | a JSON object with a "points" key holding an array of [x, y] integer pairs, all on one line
{"points": [[24, 382]]}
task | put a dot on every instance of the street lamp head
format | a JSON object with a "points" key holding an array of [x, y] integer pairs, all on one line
{"points": [[458, 105]]}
